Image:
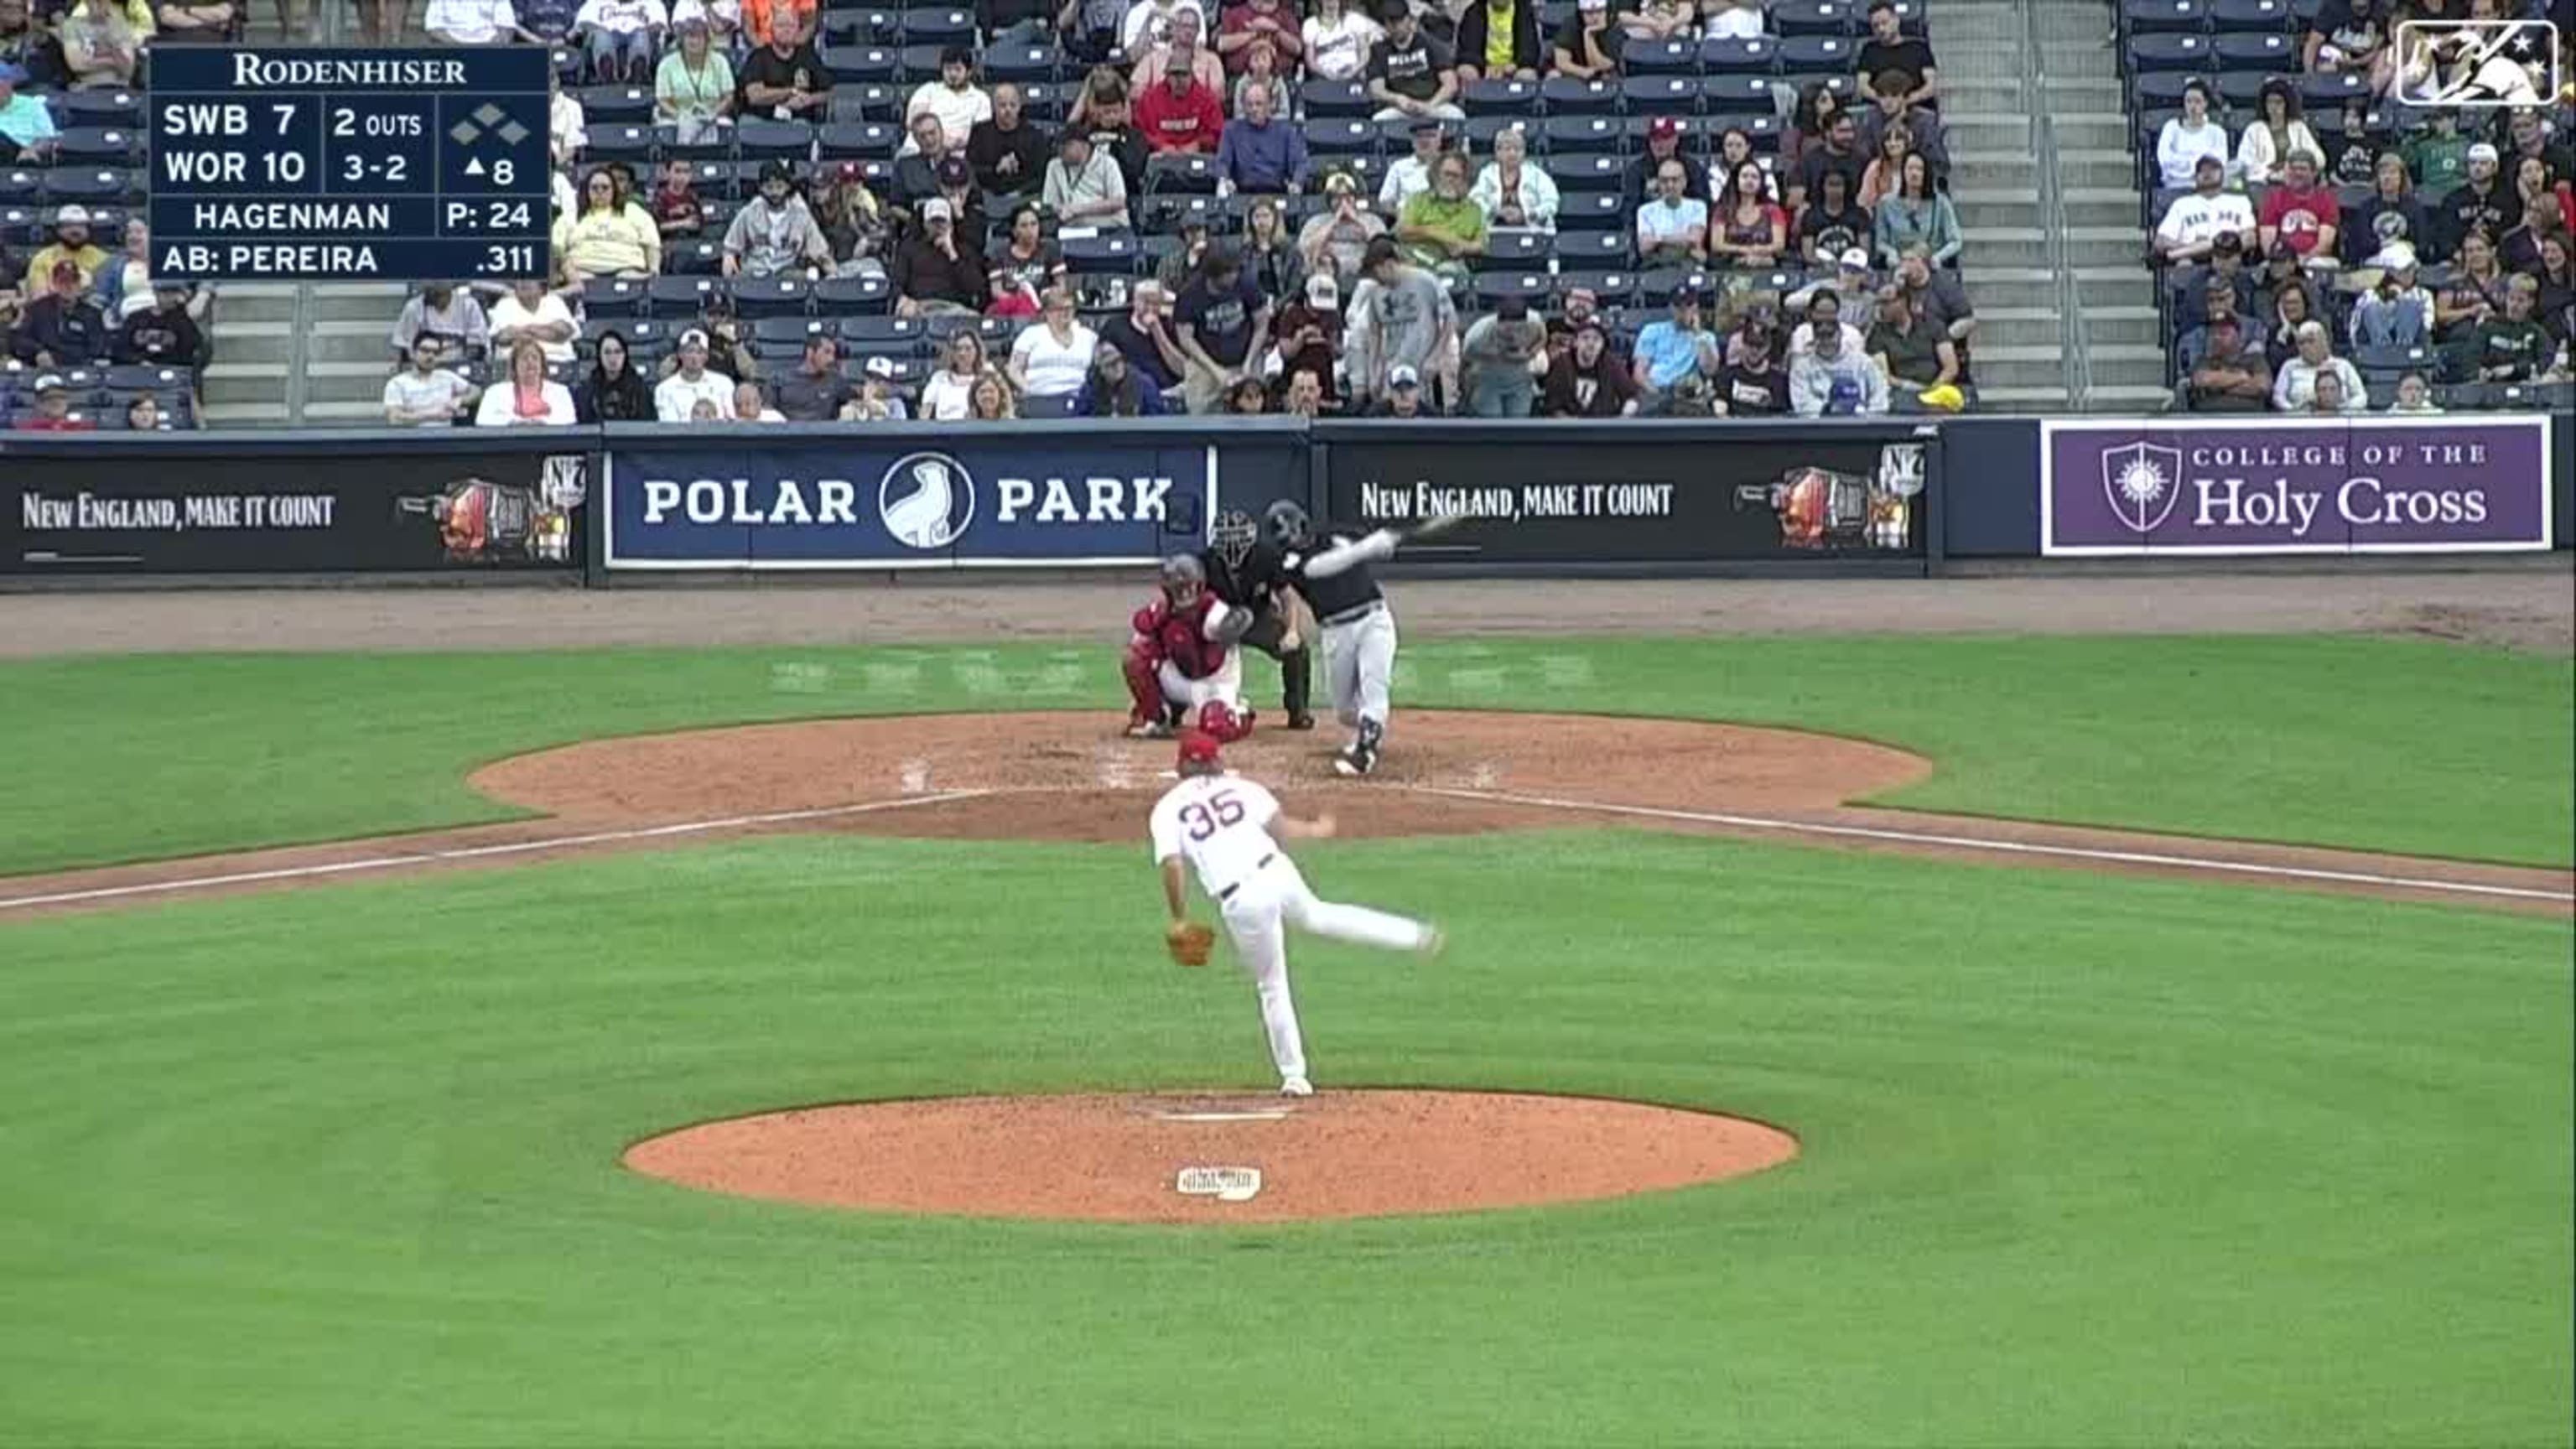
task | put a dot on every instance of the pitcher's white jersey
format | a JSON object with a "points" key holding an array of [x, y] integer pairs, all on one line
{"points": [[1220, 824]]}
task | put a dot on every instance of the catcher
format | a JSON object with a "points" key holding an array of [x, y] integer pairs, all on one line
{"points": [[1221, 825], [1180, 662], [1245, 573]]}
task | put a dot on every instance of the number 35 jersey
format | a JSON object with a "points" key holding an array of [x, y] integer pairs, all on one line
{"points": [[1220, 824]]}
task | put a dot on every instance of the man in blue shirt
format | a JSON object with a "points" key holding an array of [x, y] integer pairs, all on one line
{"points": [[1673, 351], [25, 124], [1257, 155]]}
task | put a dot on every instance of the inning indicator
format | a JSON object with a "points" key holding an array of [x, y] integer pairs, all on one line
{"points": [[334, 165]]}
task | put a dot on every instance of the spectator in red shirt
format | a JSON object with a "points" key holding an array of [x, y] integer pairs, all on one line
{"points": [[2301, 212], [53, 412], [1180, 114]]}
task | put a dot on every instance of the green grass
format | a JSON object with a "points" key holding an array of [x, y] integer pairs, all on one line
{"points": [[2375, 744], [2087, 1161]]}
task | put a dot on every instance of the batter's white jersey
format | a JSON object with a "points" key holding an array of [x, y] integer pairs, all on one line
{"points": [[1220, 824]]}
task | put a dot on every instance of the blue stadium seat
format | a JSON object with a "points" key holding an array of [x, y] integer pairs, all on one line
{"points": [[604, 297], [855, 27], [1166, 214], [1761, 128], [1612, 247], [2237, 51], [1341, 136], [18, 185], [1567, 95], [758, 139], [628, 142], [882, 332], [714, 146], [1816, 17], [1514, 250], [1501, 98], [1180, 173], [920, 62], [2241, 90], [2249, 15], [2151, 17], [1742, 92], [1656, 288], [866, 101], [1597, 171], [1494, 287], [2163, 88], [2329, 91], [785, 337], [936, 26], [1817, 55], [605, 104], [122, 108], [1022, 63], [88, 185], [1481, 131], [1583, 135], [852, 297], [1110, 253], [767, 297], [859, 140], [144, 377], [676, 299], [1661, 95], [2169, 52], [1760, 56], [1332, 99], [1677, 56], [862, 64]]}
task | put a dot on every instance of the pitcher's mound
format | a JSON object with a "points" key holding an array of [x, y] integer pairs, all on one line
{"points": [[1122, 1158]]}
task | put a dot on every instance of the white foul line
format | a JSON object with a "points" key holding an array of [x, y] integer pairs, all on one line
{"points": [[483, 852], [2007, 847]]}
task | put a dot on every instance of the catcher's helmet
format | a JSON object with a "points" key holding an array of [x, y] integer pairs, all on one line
{"points": [[1233, 537], [1182, 570], [1287, 524]]}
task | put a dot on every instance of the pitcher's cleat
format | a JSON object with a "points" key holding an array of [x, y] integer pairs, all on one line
{"points": [[1296, 1087]]}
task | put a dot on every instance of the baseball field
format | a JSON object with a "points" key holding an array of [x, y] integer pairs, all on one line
{"points": [[2168, 985]]}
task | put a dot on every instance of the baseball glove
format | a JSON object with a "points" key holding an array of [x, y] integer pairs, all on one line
{"points": [[1189, 942]]}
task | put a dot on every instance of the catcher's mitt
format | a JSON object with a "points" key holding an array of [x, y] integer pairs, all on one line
{"points": [[1189, 942]]}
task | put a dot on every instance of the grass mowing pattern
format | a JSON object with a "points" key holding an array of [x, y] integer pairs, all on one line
{"points": [[2095, 1161], [2366, 743]]}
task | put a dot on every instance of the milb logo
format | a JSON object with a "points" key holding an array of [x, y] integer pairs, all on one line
{"points": [[2477, 64]]}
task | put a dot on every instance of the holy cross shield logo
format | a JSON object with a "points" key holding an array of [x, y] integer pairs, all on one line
{"points": [[2142, 481], [2476, 64]]}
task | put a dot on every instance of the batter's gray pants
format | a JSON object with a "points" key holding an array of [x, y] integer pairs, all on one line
{"points": [[1359, 666]]}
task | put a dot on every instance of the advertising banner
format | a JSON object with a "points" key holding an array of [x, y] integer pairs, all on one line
{"points": [[2438, 484], [73, 512], [907, 500], [1639, 493]]}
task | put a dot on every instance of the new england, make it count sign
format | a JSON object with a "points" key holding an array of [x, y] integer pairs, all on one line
{"points": [[329, 165]]}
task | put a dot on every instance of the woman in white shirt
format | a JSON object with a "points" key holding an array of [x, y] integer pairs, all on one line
{"points": [[944, 396], [2188, 137], [1338, 41], [528, 397], [1511, 191], [1734, 20], [2277, 130], [1052, 356]]}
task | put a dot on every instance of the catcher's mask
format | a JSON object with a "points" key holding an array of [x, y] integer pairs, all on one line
{"points": [[1183, 578], [1198, 754], [1288, 525], [1233, 537]]}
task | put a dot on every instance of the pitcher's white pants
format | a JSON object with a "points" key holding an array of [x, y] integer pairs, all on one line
{"points": [[1258, 914], [1225, 686]]}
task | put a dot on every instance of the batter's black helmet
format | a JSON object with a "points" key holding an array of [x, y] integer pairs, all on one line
{"points": [[1287, 524]]}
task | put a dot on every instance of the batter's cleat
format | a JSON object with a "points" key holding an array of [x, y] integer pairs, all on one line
{"points": [[1301, 719], [1148, 729], [1296, 1087]]}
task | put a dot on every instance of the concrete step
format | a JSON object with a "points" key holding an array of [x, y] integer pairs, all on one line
{"points": [[2112, 324], [2021, 398], [2014, 167], [245, 415], [246, 383], [369, 341], [2081, 62], [350, 413], [1998, 215], [241, 341], [1987, 133], [244, 302], [2139, 399], [356, 302], [2089, 131]]}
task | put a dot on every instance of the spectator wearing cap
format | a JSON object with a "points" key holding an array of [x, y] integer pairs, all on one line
{"points": [[1411, 73], [1824, 307], [1753, 378], [2294, 385], [1513, 191], [530, 313], [1051, 356], [2194, 221], [1083, 185], [101, 46], [2395, 312], [959, 103], [694, 88], [1664, 143], [2301, 212], [2184, 139], [1181, 115], [784, 79], [1259, 154], [2228, 376], [1221, 323], [2226, 269], [1008, 153], [446, 313], [1402, 397], [775, 234], [1917, 213], [934, 272], [619, 37], [2512, 347], [1672, 228], [1114, 388], [2484, 201], [2211, 300], [693, 384], [1498, 40], [1586, 380], [72, 243], [1834, 378], [1181, 263], [1409, 175], [763, 20], [1915, 355], [25, 123], [2279, 128], [1335, 239], [965, 203], [876, 401], [160, 332], [1185, 38], [1588, 46], [1672, 351], [606, 238], [1838, 149], [53, 412], [1309, 331], [1890, 50], [527, 397], [1247, 23], [1399, 315], [426, 393], [1495, 359], [1443, 228]]}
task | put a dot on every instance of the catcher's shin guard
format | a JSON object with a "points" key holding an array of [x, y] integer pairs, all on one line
{"points": [[1144, 689]]}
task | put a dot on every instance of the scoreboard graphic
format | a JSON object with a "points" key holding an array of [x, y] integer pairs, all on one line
{"points": [[349, 165]]}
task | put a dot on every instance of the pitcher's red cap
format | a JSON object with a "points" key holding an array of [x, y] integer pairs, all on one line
{"points": [[1198, 748]]}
